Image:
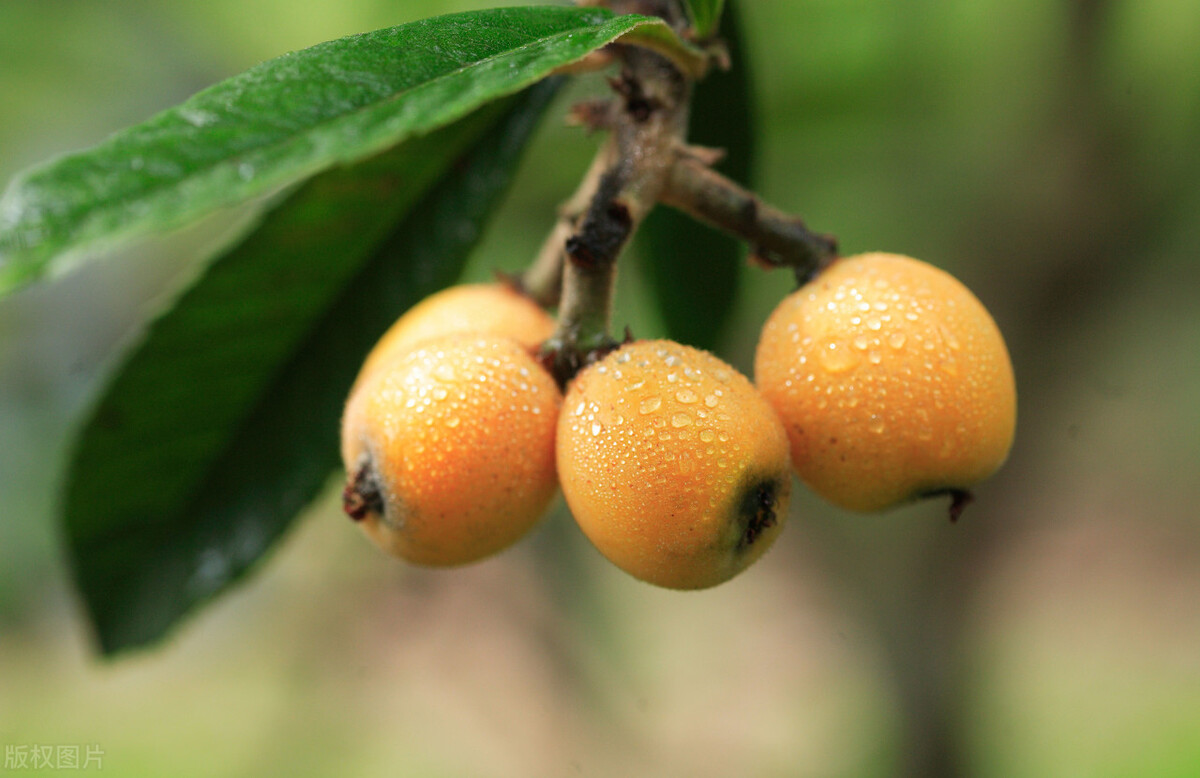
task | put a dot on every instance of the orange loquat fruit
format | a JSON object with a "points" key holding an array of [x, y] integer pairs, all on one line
{"points": [[449, 449], [672, 464], [892, 380]]}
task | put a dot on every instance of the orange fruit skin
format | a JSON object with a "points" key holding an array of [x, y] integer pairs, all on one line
{"points": [[672, 464], [892, 380], [458, 435], [491, 308]]}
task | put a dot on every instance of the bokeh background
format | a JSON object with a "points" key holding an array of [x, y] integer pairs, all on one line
{"points": [[1047, 152]]}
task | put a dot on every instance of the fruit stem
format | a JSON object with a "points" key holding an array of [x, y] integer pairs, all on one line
{"points": [[542, 280], [776, 238], [649, 122], [645, 161]]}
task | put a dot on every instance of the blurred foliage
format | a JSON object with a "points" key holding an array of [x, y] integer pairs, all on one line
{"points": [[1044, 152]]}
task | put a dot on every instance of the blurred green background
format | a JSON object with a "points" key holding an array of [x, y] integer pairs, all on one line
{"points": [[1045, 152]]}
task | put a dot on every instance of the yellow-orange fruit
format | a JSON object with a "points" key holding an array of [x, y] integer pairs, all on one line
{"points": [[892, 380], [672, 464], [449, 449], [486, 308]]}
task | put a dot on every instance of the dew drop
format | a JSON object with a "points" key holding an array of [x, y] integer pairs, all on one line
{"points": [[596, 429], [453, 421], [836, 358], [861, 343], [876, 425], [650, 405], [707, 436], [896, 340], [680, 420], [874, 357], [950, 339], [686, 396], [444, 372], [711, 401]]}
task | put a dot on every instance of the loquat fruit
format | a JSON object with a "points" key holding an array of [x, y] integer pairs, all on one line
{"points": [[492, 308], [892, 380], [449, 449], [672, 464]]}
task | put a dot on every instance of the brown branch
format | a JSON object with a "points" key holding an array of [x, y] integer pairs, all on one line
{"points": [[650, 123], [777, 239]]}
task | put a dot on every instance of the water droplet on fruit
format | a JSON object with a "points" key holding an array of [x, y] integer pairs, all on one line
{"points": [[686, 396], [681, 420], [836, 358], [949, 337], [650, 405]]}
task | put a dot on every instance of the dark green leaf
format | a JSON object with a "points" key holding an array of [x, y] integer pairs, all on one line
{"points": [[223, 424], [705, 16], [693, 269], [290, 118]]}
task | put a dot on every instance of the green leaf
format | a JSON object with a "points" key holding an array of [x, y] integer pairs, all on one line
{"points": [[695, 270], [706, 14], [223, 424], [290, 118]]}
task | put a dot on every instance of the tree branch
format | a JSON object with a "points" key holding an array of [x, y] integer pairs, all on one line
{"points": [[776, 239]]}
